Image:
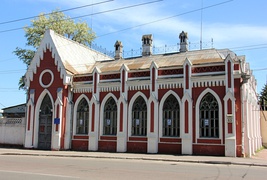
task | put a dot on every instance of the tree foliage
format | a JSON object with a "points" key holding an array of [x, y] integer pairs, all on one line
{"points": [[263, 98], [58, 22]]}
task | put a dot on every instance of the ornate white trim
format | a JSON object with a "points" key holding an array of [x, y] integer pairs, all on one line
{"points": [[41, 77], [108, 87], [163, 99], [208, 90], [138, 85], [36, 119], [46, 43], [136, 95], [75, 112], [103, 103]]}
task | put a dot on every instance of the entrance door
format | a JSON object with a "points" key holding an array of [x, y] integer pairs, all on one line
{"points": [[45, 124]]}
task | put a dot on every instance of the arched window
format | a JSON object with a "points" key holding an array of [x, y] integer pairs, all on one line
{"points": [[82, 117], [171, 117], [139, 117], [110, 117], [209, 117]]}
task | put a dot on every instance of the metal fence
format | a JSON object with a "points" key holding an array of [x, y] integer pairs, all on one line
{"points": [[156, 50], [5, 121]]}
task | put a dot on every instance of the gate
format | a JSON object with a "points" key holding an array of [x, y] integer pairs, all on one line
{"points": [[45, 124]]}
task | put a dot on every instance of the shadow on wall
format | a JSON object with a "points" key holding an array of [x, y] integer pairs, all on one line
{"points": [[264, 128]]}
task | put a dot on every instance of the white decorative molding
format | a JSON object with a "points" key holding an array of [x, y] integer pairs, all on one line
{"points": [[138, 85], [170, 85], [208, 83], [108, 87], [41, 78], [46, 43]]}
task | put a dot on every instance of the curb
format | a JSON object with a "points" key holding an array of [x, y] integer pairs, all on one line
{"points": [[142, 158]]}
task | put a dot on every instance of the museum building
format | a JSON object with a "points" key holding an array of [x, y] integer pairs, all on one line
{"points": [[200, 102]]}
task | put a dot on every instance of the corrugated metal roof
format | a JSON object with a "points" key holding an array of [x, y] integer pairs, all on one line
{"points": [[80, 59], [198, 57], [76, 57]]}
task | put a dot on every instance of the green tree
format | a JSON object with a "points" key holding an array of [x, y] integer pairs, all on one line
{"points": [[263, 98], [61, 24]]}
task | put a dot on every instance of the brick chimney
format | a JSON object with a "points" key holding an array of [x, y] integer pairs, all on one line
{"points": [[147, 45], [118, 50], [183, 41]]}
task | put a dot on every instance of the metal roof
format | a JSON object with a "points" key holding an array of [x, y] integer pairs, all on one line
{"points": [[198, 57], [76, 57]]}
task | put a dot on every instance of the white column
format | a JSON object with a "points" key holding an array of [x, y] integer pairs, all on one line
{"points": [[30, 112], [152, 136], [56, 135], [122, 135]]}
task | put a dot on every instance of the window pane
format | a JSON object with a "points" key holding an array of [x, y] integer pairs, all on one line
{"points": [[139, 117], [209, 117], [82, 117], [171, 117], [110, 117]]}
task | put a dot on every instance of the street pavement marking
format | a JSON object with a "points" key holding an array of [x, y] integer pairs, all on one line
{"points": [[41, 174]]}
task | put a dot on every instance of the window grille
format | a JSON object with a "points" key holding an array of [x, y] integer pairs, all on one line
{"points": [[82, 117], [171, 117], [110, 117], [139, 117], [209, 117], [46, 106]]}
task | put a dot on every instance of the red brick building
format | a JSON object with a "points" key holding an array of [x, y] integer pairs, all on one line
{"points": [[188, 102]]}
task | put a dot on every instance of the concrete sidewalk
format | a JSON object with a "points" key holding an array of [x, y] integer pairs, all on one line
{"points": [[260, 159]]}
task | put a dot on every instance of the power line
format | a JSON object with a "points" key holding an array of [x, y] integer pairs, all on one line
{"points": [[163, 19], [70, 9], [262, 69], [250, 47], [92, 14], [2, 105]]}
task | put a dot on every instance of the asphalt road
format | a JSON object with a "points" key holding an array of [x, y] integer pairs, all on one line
{"points": [[21, 167]]}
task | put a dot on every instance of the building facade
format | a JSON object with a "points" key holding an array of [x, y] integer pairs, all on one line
{"points": [[190, 102]]}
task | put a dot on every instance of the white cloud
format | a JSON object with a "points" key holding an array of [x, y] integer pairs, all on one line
{"points": [[224, 34]]}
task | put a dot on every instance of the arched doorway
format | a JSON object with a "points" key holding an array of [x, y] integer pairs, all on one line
{"points": [[45, 124]]}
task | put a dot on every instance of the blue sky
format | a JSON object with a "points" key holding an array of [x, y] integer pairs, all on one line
{"points": [[239, 25]]}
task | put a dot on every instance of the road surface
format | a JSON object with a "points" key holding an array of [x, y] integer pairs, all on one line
{"points": [[19, 167]]}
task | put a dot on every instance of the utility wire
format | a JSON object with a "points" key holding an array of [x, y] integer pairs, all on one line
{"points": [[2, 105], [92, 14], [163, 19], [14, 71], [70, 9]]}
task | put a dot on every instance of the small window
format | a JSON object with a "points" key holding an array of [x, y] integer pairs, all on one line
{"points": [[139, 117], [209, 117], [171, 117], [110, 117], [82, 117], [117, 47]]}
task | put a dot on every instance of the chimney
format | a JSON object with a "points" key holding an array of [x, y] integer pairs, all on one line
{"points": [[183, 41], [147, 45], [118, 50]]}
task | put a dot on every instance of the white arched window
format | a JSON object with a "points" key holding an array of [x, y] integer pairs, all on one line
{"points": [[82, 117], [171, 117], [209, 117], [139, 117], [110, 117]]}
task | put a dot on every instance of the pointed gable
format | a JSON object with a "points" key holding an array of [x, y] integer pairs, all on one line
{"points": [[70, 57]]}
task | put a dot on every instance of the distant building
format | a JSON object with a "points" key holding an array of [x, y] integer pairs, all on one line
{"points": [[1, 113], [189, 102], [17, 111]]}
